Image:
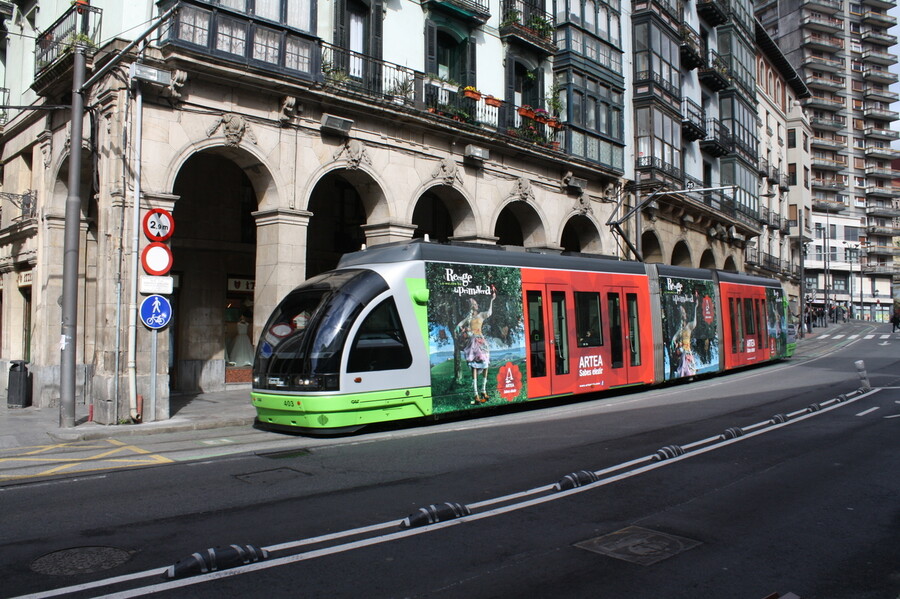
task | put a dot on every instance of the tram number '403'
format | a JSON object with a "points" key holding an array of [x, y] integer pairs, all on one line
{"points": [[290, 403], [590, 365]]}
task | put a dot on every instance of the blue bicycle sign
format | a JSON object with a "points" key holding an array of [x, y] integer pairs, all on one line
{"points": [[156, 311]]}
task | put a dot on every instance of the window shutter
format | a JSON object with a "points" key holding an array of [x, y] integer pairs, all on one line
{"points": [[430, 48], [508, 110], [340, 23], [471, 68], [376, 18]]}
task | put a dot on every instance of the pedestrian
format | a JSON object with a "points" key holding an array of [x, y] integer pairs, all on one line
{"points": [[895, 321]]}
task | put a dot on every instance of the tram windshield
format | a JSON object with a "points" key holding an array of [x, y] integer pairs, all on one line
{"points": [[301, 344]]}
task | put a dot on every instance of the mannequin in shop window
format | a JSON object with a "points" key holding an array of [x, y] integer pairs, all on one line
{"points": [[242, 352]]}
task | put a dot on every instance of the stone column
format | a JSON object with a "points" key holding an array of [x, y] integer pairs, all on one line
{"points": [[388, 232], [281, 236]]}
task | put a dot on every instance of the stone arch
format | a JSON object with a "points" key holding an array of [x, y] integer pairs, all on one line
{"points": [[730, 265], [580, 234], [443, 212], [261, 175], [681, 254], [518, 222], [708, 259], [651, 247]]}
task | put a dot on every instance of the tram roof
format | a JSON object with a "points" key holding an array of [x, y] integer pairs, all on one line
{"points": [[417, 249]]}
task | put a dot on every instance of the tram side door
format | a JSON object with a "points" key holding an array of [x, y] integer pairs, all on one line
{"points": [[624, 334], [550, 329]]}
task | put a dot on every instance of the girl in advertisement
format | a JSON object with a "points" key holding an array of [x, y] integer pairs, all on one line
{"points": [[475, 347]]}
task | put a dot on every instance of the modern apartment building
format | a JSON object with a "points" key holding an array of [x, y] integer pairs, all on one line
{"points": [[844, 52]]}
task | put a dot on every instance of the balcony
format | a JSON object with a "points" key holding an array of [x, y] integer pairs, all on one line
{"points": [[831, 206], [883, 134], [883, 153], [80, 24], [879, 75], [879, 38], [828, 43], [878, 19], [718, 140], [881, 172], [830, 144], [474, 11], [880, 94], [880, 4], [715, 74], [691, 49], [882, 250], [818, 22], [820, 63], [827, 184], [882, 58], [828, 83], [828, 7], [884, 191], [827, 124], [529, 26], [883, 210], [714, 12], [693, 125], [881, 114], [883, 230], [824, 103], [828, 164]]}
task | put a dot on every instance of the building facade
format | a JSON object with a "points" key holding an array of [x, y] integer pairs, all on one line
{"points": [[281, 134], [844, 52]]}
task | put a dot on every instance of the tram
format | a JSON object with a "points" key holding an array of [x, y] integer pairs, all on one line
{"points": [[418, 329]]}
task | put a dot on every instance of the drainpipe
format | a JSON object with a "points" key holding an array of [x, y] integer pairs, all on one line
{"points": [[135, 242]]}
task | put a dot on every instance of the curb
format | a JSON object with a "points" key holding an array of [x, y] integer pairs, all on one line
{"points": [[91, 431]]}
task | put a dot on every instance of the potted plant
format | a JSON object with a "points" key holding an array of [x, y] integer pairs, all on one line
{"points": [[526, 111], [492, 101], [541, 115], [470, 92]]}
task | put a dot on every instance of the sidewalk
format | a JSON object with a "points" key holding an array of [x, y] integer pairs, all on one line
{"points": [[23, 427]]}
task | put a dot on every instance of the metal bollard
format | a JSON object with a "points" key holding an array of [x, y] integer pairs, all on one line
{"points": [[863, 377]]}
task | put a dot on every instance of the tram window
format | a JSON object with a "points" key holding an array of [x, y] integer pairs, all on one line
{"points": [[538, 358], [634, 344], [737, 337], [561, 332], [763, 328], [614, 314], [587, 319], [749, 317], [380, 343]]}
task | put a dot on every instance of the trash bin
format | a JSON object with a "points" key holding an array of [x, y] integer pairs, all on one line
{"points": [[18, 393]]}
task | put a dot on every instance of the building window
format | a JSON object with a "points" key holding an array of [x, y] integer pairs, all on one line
{"points": [[792, 138], [656, 57], [658, 139]]}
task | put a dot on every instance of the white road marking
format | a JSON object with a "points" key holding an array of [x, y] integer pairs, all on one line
{"points": [[869, 411]]}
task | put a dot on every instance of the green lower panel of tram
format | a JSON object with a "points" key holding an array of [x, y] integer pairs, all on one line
{"points": [[341, 411]]}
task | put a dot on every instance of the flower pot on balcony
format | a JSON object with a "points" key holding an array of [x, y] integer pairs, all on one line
{"points": [[492, 101], [526, 111], [471, 93], [554, 123], [553, 145]]}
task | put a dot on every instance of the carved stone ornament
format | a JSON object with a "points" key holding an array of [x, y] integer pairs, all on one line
{"points": [[583, 205], [290, 108], [522, 190], [447, 171], [179, 78], [234, 127], [354, 152], [45, 138]]}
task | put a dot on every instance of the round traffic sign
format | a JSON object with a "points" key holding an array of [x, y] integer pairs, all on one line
{"points": [[156, 258], [156, 311], [158, 224]]}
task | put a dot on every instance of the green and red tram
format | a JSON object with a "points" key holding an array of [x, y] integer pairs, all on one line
{"points": [[418, 329]]}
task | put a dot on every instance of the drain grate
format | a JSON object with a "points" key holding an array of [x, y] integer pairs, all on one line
{"points": [[638, 545], [80, 560]]}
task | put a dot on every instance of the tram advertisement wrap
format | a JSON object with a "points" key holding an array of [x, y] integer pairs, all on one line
{"points": [[776, 321], [476, 336], [690, 328]]}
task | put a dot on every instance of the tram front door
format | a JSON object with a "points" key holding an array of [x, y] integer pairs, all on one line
{"points": [[550, 332]]}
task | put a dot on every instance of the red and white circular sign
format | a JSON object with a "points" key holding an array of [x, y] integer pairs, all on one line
{"points": [[158, 224], [156, 258]]}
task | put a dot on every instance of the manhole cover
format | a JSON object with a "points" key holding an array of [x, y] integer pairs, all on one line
{"points": [[638, 545], [80, 560], [271, 477]]}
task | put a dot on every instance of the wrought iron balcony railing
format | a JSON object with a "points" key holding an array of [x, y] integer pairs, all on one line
{"points": [[80, 24]]}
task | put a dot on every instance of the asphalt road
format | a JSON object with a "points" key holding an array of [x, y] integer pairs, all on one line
{"points": [[807, 506]]}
